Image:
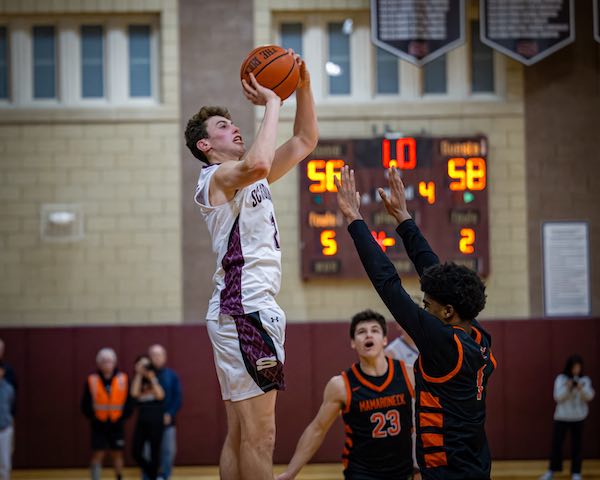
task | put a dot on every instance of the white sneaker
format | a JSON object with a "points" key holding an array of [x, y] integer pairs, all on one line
{"points": [[547, 476], [576, 476]]}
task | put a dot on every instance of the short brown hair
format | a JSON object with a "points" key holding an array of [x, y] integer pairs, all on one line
{"points": [[367, 316], [196, 128]]}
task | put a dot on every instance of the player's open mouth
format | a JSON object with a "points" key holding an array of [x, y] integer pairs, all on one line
{"points": [[238, 139], [369, 344]]}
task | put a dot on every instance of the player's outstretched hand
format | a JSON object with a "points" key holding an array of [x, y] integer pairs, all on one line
{"points": [[258, 94], [348, 198], [395, 202]]}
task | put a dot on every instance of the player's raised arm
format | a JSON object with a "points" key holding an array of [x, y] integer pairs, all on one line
{"points": [[334, 399], [256, 162], [422, 327], [306, 131], [417, 248]]}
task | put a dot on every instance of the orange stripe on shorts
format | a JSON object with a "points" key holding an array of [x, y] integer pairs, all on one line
{"points": [[437, 459], [432, 440], [427, 419]]}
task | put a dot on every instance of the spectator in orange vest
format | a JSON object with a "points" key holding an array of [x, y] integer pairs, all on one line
{"points": [[107, 404]]}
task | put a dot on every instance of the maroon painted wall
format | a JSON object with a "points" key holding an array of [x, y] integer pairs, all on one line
{"points": [[52, 364]]}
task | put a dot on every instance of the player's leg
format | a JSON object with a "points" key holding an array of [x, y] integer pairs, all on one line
{"points": [[257, 428], [229, 463]]}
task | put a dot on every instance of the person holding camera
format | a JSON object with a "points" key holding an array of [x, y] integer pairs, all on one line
{"points": [[572, 392], [149, 394]]}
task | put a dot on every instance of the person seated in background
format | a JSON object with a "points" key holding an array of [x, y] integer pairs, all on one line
{"points": [[107, 404], [572, 393], [149, 396]]}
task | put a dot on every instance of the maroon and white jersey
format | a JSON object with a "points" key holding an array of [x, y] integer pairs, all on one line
{"points": [[245, 238]]}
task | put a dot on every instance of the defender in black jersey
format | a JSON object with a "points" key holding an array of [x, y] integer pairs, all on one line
{"points": [[455, 359], [375, 399]]}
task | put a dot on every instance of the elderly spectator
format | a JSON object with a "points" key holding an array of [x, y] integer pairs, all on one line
{"points": [[106, 403], [169, 381]]}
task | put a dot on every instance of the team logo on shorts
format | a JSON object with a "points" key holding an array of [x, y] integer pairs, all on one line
{"points": [[266, 362]]}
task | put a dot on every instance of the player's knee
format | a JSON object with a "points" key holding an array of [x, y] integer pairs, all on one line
{"points": [[261, 438]]}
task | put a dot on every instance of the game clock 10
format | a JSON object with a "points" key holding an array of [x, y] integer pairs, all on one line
{"points": [[445, 180]]}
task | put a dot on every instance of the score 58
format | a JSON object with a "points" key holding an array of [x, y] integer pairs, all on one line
{"points": [[322, 173]]}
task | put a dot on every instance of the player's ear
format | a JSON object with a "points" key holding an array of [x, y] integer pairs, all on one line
{"points": [[203, 145], [385, 341], [352, 344], [448, 312]]}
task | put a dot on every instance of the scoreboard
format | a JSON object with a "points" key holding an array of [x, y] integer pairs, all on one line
{"points": [[446, 186]]}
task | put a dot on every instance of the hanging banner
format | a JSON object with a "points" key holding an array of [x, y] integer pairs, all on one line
{"points": [[526, 30], [597, 20], [418, 31]]}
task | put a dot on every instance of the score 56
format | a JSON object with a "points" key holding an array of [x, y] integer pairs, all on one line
{"points": [[322, 172]]}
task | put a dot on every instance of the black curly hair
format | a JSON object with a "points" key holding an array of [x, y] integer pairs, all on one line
{"points": [[367, 316], [456, 285]]}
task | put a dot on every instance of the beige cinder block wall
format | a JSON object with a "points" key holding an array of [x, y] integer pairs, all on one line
{"points": [[500, 118], [121, 165]]}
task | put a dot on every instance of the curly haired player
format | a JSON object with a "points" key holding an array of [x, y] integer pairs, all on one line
{"points": [[455, 359]]}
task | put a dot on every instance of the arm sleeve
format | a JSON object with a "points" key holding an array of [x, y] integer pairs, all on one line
{"points": [[561, 388], [433, 339], [587, 391], [417, 248], [177, 396], [86, 402], [129, 403]]}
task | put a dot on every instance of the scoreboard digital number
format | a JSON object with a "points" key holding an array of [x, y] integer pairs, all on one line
{"points": [[445, 181]]}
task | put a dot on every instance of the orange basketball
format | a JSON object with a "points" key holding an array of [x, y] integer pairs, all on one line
{"points": [[274, 68]]}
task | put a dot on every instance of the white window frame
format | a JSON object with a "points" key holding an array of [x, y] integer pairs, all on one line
{"points": [[363, 81], [68, 62]]}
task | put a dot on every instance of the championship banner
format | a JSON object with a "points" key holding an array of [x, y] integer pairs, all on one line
{"points": [[526, 30], [418, 30], [597, 20]]}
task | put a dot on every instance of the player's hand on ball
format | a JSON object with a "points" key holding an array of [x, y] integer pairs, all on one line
{"points": [[258, 94], [304, 75], [395, 202], [348, 198]]}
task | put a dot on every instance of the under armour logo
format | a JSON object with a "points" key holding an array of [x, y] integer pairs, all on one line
{"points": [[274, 319]]}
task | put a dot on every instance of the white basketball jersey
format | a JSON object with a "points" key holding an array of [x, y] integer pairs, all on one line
{"points": [[245, 238]]}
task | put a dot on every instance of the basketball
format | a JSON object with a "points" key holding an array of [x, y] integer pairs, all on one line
{"points": [[274, 68]]}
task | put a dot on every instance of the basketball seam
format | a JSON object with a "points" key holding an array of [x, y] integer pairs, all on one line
{"points": [[286, 77], [266, 65]]}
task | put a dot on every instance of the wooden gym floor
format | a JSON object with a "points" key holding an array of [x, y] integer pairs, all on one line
{"points": [[504, 470]]}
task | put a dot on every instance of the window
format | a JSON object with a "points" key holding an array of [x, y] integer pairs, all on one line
{"points": [[434, 76], [3, 64], [482, 63], [387, 72], [44, 62], [291, 37], [338, 65], [92, 61], [139, 61], [346, 67]]}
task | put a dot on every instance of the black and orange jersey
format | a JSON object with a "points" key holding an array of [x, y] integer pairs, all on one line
{"points": [[452, 370], [378, 424]]}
